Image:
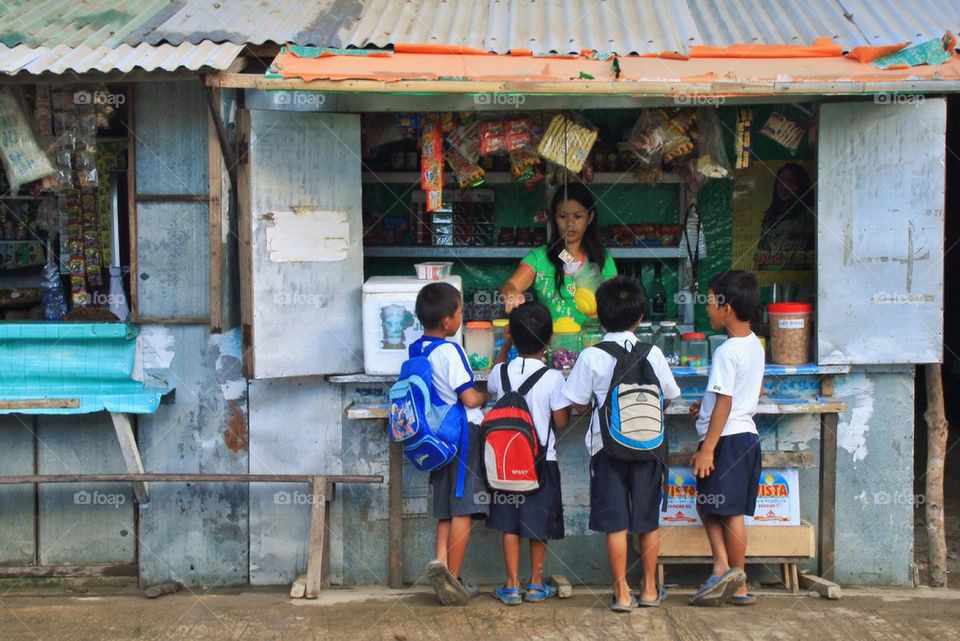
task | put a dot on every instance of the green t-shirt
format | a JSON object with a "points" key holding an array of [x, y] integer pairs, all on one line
{"points": [[543, 284]]}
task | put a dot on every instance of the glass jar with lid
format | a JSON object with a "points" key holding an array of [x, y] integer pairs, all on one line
{"points": [[478, 344], [694, 350], [667, 339], [644, 332], [565, 344]]}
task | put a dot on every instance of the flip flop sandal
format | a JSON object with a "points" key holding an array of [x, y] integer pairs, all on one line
{"points": [[616, 607], [717, 590], [509, 596], [654, 603], [445, 585], [747, 599], [536, 593], [469, 586]]}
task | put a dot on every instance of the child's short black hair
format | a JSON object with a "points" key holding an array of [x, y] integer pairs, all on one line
{"points": [[621, 303], [739, 289], [435, 302], [531, 327]]}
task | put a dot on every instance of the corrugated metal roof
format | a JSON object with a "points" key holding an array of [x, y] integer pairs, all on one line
{"points": [[91, 23], [124, 58]]}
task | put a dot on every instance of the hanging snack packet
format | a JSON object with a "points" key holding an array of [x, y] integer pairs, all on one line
{"points": [[742, 140], [431, 163], [469, 174], [712, 160], [567, 143], [784, 131], [493, 137], [520, 134]]}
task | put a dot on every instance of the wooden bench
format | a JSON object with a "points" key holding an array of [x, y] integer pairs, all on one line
{"points": [[322, 493]]}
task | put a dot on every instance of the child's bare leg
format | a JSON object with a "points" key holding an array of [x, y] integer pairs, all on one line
{"points": [[511, 559], [457, 543], [443, 537], [649, 550], [735, 542], [538, 550], [714, 526], [617, 553]]}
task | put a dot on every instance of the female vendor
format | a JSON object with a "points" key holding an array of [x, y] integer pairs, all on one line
{"points": [[574, 229]]}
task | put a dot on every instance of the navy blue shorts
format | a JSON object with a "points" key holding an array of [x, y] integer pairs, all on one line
{"points": [[533, 516], [624, 495], [731, 489], [443, 484]]}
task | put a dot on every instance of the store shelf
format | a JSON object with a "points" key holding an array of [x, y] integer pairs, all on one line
{"points": [[506, 252], [501, 178]]}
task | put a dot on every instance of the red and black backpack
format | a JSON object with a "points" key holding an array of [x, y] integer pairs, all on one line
{"points": [[512, 454]]}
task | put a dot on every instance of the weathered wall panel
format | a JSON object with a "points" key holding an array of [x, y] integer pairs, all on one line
{"points": [[305, 173], [880, 232], [295, 427], [83, 522], [173, 267], [195, 532], [17, 514], [170, 120]]}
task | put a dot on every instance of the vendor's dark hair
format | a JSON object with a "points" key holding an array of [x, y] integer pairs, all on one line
{"points": [[739, 289], [531, 327], [591, 243], [435, 302], [621, 303], [800, 202]]}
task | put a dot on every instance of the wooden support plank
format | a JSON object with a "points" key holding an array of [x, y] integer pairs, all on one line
{"points": [[395, 553], [244, 244], [215, 215], [131, 455], [132, 205], [824, 588], [316, 548], [793, 577], [785, 571], [46, 403], [826, 522]]}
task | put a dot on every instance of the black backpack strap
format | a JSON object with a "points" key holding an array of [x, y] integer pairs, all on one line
{"points": [[532, 380], [614, 349], [642, 350], [504, 379]]}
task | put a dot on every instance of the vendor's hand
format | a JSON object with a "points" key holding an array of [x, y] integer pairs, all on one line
{"points": [[702, 463], [694, 410], [512, 301]]}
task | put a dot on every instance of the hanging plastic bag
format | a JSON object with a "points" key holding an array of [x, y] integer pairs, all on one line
{"points": [[23, 159], [712, 161]]}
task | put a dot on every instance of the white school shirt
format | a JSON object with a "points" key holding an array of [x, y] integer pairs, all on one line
{"points": [[546, 395], [736, 370], [593, 372], [452, 374]]}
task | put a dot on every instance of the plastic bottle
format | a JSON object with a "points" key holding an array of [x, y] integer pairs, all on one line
{"points": [[51, 290]]}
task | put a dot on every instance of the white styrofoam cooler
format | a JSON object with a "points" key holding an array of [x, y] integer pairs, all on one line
{"points": [[390, 320]]}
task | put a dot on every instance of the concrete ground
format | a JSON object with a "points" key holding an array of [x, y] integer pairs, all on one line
{"points": [[56, 614]]}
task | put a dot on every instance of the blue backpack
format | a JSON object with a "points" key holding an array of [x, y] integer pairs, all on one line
{"points": [[431, 431]]}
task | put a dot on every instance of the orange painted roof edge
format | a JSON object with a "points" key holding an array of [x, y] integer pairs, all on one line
{"points": [[766, 51], [428, 47]]}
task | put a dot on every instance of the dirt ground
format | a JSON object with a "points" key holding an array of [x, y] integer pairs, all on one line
{"points": [[378, 613]]}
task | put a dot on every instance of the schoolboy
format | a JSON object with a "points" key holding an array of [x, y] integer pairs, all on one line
{"points": [[537, 516], [727, 462], [439, 310], [624, 496]]}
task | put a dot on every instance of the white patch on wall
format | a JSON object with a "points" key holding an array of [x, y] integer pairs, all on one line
{"points": [[156, 346], [307, 235], [228, 346], [234, 389], [852, 433]]}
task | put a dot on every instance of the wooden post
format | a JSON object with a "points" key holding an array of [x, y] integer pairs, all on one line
{"points": [[826, 553], [131, 455], [395, 553], [316, 549], [937, 429]]}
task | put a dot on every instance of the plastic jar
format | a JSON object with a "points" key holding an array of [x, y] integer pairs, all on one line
{"points": [[668, 340], [478, 344], [694, 350], [565, 344], [789, 333], [715, 340], [499, 325], [591, 335], [644, 333]]}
